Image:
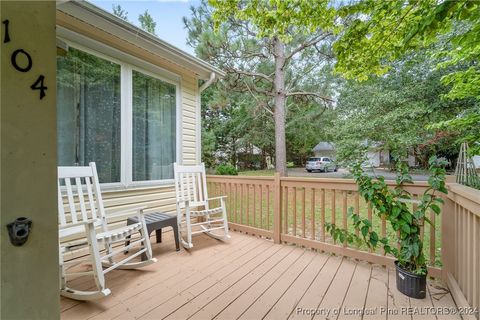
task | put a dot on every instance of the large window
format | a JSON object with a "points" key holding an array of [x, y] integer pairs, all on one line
{"points": [[90, 109], [153, 128], [88, 113]]}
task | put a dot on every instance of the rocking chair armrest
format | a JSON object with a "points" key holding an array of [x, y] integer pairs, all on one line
{"points": [[185, 202], [128, 212], [80, 223], [217, 198]]}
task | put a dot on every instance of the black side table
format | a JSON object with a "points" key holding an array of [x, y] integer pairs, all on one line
{"points": [[156, 221]]}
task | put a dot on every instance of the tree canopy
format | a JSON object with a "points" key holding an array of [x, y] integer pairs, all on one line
{"points": [[372, 37], [396, 111], [273, 74]]}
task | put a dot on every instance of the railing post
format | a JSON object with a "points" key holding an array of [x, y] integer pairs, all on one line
{"points": [[277, 208], [448, 238]]}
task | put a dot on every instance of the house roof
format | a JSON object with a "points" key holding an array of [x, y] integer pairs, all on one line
{"points": [[104, 20], [324, 146]]}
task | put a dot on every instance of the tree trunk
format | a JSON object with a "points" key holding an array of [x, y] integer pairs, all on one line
{"points": [[279, 115]]}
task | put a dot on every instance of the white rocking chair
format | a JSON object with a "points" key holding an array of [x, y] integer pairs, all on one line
{"points": [[193, 201], [86, 217]]}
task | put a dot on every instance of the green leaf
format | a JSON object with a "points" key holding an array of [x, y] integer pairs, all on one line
{"points": [[365, 230], [367, 223], [406, 228], [435, 208]]}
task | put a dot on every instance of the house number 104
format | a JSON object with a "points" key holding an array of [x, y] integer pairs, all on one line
{"points": [[22, 62]]}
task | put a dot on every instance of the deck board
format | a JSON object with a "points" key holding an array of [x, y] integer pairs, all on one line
{"points": [[241, 303], [441, 298], [357, 292], [377, 296], [168, 299], [249, 278], [224, 282], [270, 297], [337, 291], [315, 294], [283, 308], [221, 301]]}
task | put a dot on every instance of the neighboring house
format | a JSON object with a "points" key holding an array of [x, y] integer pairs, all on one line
{"points": [[249, 150], [324, 149], [128, 101]]}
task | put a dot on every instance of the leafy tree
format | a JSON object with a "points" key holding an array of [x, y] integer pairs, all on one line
{"points": [[272, 66], [306, 125], [465, 126], [118, 11], [229, 126], [147, 23], [381, 32], [397, 109]]}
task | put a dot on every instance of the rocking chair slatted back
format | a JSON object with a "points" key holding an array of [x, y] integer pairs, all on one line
{"points": [[82, 207], [191, 185]]}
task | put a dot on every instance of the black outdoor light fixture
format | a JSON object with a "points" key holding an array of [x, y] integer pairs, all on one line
{"points": [[19, 230]]}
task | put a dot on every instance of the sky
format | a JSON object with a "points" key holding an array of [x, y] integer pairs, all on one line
{"points": [[166, 13]]}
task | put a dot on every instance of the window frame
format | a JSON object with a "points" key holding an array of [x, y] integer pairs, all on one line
{"points": [[129, 173], [128, 64]]}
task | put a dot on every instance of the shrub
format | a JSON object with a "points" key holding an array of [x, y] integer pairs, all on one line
{"points": [[226, 170], [393, 205]]}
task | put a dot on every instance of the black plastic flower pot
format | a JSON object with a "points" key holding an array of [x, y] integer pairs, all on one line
{"points": [[411, 284]]}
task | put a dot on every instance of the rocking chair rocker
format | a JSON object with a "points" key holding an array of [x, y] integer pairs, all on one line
{"points": [[192, 199], [91, 222]]}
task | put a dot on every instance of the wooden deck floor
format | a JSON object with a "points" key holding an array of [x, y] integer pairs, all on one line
{"points": [[252, 278]]}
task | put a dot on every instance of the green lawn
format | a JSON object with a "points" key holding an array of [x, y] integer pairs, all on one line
{"points": [[257, 173]]}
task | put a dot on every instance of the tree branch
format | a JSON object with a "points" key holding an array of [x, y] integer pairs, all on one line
{"points": [[250, 74], [257, 90], [312, 94], [307, 44]]}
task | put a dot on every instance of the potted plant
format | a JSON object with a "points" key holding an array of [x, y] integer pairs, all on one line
{"points": [[394, 204]]}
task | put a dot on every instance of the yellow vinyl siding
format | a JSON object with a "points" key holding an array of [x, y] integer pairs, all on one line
{"points": [[189, 133]]}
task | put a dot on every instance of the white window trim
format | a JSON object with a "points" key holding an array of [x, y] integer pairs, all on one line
{"points": [[127, 64]]}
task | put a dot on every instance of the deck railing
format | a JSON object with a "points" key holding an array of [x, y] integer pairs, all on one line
{"points": [[461, 245], [297, 210]]}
